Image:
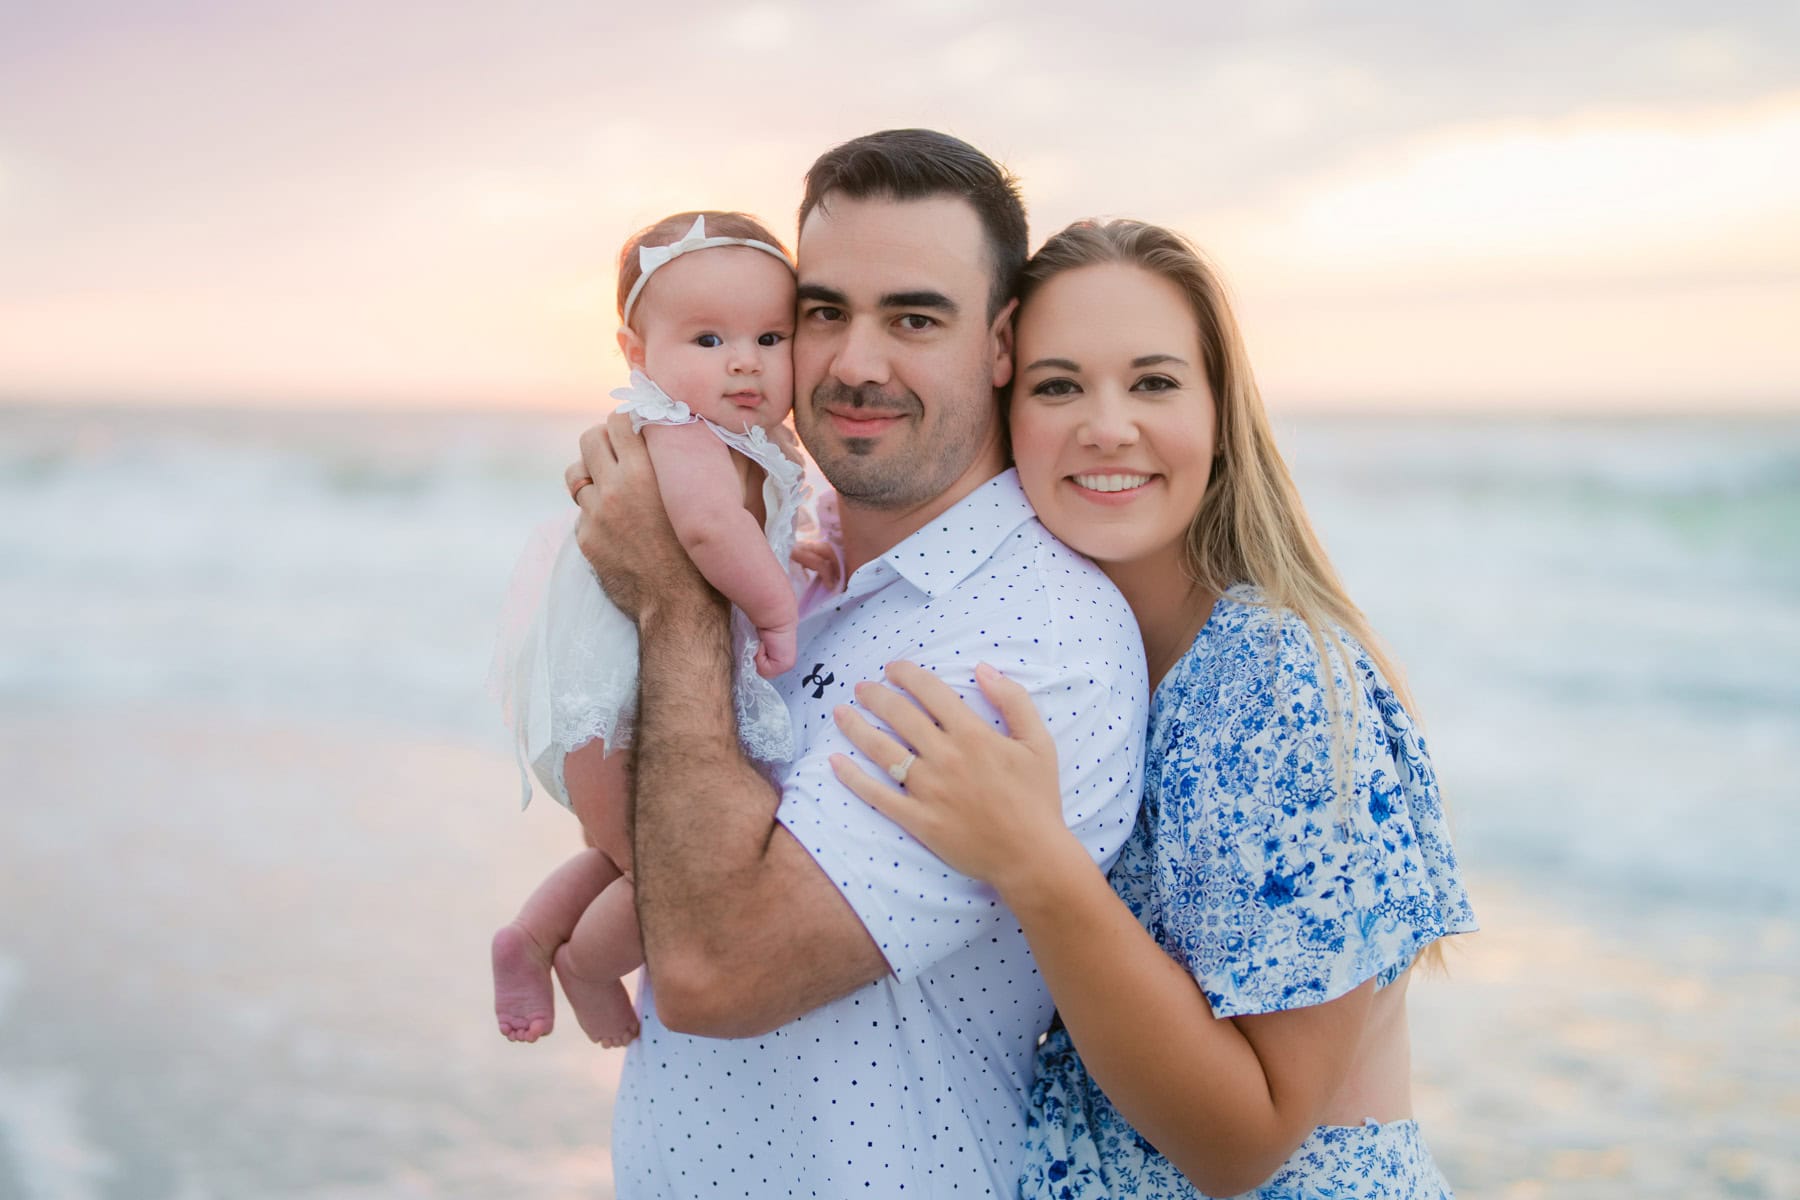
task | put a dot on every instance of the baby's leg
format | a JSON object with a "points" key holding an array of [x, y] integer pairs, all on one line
{"points": [[604, 946], [600, 793], [523, 1001]]}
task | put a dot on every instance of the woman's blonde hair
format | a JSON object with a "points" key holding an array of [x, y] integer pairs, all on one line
{"points": [[1250, 526]]}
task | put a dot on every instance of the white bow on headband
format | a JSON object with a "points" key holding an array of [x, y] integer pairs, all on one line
{"points": [[652, 257]]}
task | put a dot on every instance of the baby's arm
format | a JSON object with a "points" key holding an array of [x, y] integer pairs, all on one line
{"points": [[704, 497]]}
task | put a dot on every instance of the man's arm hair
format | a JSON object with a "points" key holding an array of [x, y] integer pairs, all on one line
{"points": [[742, 930]]}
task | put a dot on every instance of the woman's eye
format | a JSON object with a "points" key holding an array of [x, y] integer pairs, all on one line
{"points": [[1055, 387], [916, 322], [771, 339], [1155, 383], [709, 340]]}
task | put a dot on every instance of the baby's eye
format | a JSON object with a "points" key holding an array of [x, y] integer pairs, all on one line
{"points": [[771, 339], [1155, 383], [709, 340], [1055, 387]]}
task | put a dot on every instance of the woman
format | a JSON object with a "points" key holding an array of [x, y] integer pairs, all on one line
{"points": [[1233, 1016]]}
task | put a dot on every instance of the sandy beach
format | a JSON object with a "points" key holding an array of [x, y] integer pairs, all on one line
{"points": [[1647, 1058], [254, 964], [260, 824]]}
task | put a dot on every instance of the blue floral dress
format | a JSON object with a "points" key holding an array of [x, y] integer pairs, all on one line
{"points": [[1248, 869]]}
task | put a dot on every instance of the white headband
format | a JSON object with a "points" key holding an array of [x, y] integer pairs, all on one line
{"points": [[652, 257]]}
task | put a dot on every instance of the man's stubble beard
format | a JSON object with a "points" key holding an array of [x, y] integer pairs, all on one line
{"points": [[906, 476]]}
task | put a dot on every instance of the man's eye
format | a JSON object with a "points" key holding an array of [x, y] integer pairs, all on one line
{"points": [[1055, 387], [825, 312], [771, 339], [916, 322], [709, 340], [1155, 383]]}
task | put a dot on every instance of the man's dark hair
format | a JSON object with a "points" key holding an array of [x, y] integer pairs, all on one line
{"points": [[915, 164]]}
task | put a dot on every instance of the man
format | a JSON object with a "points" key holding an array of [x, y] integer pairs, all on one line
{"points": [[881, 1010]]}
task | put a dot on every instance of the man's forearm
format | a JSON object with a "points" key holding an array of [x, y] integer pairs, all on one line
{"points": [[703, 814], [742, 930]]}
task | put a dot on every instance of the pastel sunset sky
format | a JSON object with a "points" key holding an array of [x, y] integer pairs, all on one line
{"points": [[1539, 204]]}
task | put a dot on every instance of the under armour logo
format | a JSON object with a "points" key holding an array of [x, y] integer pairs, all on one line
{"points": [[821, 680]]}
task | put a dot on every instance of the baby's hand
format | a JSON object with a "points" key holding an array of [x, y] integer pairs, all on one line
{"points": [[784, 437], [778, 650], [822, 561]]}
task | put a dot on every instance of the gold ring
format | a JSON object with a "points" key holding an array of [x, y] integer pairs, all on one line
{"points": [[575, 492]]}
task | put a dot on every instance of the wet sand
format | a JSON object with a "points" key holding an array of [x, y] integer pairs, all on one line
{"points": [[1654, 1054], [250, 959], [256, 965]]}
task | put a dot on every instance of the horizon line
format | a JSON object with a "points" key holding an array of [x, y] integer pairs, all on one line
{"points": [[1482, 407]]}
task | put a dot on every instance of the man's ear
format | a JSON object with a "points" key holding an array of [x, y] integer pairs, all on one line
{"points": [[1002, 334], [631, 345]]}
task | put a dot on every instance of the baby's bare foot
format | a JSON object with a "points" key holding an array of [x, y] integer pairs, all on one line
{"points": [[602, 1006], [523, 999]]}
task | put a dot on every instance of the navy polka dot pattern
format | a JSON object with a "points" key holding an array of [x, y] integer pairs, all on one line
{"points": [[915, 1085]]}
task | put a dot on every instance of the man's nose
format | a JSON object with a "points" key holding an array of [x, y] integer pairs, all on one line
{"points": [[860, 357]]}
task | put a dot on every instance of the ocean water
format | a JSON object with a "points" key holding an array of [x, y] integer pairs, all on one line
{"points": [[260, 819]]}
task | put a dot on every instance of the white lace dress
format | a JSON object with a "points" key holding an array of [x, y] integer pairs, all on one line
{"points": [[566, 668]]}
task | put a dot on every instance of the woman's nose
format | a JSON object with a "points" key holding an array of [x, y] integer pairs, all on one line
{"points": [[1107, 424]]}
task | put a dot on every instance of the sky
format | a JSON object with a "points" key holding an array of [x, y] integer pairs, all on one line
{"points": [[1543, 206]]}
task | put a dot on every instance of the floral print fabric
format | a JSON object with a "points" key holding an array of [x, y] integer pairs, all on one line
{"points": [[1249, 870]]}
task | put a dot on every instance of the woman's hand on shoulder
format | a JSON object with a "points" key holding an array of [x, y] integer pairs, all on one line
{"points": [[987, 803]]}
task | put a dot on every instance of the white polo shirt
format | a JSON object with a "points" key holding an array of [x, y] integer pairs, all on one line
{"points": [[915, 1085]]}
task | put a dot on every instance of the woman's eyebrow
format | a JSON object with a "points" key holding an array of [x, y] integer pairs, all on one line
{"points": [[1151, 360], [1061, 364]]}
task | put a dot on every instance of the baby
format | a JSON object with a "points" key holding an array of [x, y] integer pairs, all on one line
{"points": [[713, 331]]}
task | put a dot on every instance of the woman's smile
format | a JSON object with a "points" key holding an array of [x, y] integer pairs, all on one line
{"points": [[1111, 488]]}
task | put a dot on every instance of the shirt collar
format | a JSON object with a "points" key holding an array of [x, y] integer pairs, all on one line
{"points": [[944, 553]]}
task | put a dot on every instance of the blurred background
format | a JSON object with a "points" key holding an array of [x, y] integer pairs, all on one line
{"points": [[302, 308]]}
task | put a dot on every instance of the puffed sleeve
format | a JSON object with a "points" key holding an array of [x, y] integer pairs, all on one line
{"points": [[647, 404], [1278, 892]]}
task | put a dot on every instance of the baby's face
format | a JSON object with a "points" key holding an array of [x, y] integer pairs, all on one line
{"points": [[718, 329]]}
